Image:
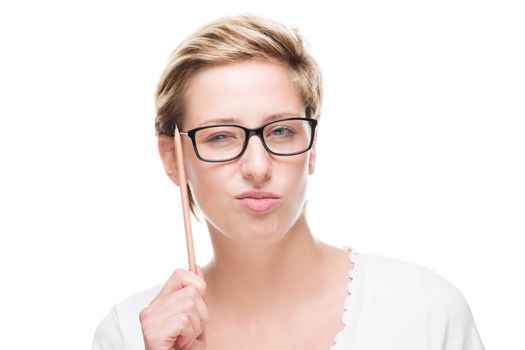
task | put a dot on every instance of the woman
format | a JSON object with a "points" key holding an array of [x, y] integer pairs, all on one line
{"points": [[270, 284]]}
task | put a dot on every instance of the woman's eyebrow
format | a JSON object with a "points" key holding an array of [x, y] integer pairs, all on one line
{"points": [[234, 120]]}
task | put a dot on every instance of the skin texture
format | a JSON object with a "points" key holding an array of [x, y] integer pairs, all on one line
{"points": [[269, 274]]}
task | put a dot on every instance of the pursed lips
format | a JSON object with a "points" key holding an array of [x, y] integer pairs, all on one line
{"points": [[258, 201]]}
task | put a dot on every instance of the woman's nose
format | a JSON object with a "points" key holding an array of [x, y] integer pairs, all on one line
{"points": [[256, 161]]}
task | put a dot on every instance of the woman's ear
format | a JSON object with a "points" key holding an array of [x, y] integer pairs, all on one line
{"points": [[167, 154], [311, 160]]}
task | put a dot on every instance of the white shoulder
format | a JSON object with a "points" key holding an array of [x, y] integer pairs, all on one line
{"points": [[448, 313], [406, 296], [443, 296], [108, 335], [399, 277], [120, 329]]}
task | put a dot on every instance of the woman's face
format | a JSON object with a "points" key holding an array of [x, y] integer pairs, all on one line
{"points": [[249, 93]]}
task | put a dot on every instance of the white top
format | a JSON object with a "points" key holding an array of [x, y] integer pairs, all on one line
{"points": [[391, 304]]}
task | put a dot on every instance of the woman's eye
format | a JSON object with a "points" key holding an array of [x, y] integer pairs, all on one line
{"points": [[281, 131], [218, 138]]}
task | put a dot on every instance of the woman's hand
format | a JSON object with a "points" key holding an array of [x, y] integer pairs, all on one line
{"points": [[176, 318]]}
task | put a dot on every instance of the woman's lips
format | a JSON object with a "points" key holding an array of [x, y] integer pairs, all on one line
{"points": [[259, 205]]}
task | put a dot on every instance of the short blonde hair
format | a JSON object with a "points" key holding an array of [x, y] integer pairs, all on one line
{"points": [[230, 40]]}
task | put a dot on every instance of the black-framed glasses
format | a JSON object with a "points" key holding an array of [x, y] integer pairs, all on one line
{"points": [[222, 143]]}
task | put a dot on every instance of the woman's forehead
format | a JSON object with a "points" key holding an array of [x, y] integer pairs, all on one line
{"points": [[247, 93]]}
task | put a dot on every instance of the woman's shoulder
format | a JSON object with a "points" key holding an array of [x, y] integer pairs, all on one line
{"points": [[407, 276], [417, 289], [409, 304], [120, 328]]}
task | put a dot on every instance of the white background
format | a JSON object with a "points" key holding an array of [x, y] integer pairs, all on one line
{"points": [[420, 152]]}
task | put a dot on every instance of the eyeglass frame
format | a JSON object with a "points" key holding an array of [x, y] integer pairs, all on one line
{"points": [[248, 134]]}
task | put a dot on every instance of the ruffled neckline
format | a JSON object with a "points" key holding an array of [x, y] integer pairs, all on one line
{"points": [[348, 301]]}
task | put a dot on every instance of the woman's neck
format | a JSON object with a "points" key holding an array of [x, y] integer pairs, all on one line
{"points": [[262, 278]]}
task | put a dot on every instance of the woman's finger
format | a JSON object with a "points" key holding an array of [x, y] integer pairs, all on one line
{"points": [[179, 279]]}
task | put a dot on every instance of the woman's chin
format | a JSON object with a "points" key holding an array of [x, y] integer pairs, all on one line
{"points": [[261, 234]]}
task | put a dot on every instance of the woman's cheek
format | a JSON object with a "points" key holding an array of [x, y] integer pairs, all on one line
{"points": [[209, 194]]}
